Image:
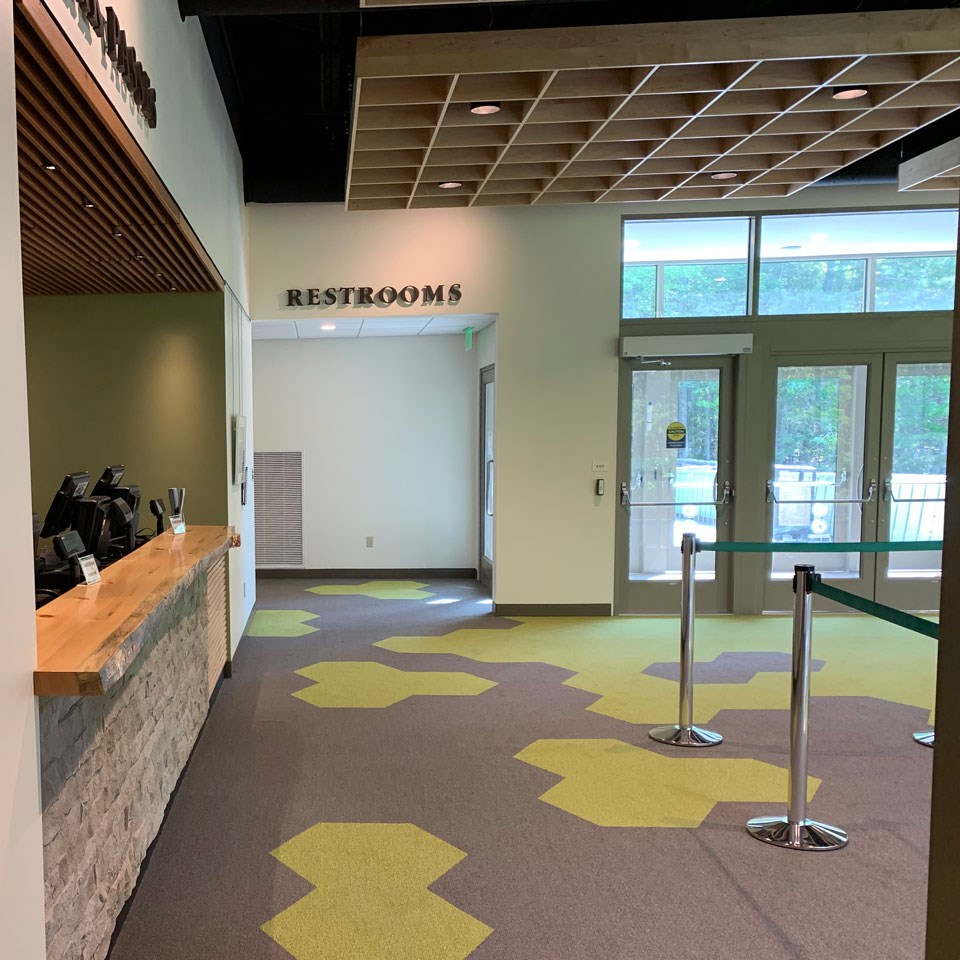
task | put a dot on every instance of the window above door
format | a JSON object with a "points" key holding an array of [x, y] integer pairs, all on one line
{"points": [[789, 265]]}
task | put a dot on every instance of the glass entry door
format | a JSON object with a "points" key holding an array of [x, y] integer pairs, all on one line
{"points": [[822, 484], [859, 454], [487, 394], [913, 466], [675, 467]]}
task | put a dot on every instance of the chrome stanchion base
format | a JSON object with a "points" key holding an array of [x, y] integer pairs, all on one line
{"points": [[925, 737], [806, 835], [678, 736]]}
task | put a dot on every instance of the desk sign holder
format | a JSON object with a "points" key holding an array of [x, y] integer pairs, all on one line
{"points": [[89, 569], [177, 524]]}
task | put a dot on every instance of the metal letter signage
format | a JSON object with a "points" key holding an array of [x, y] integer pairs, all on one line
{"points": [[123, 56], [406, 294]]}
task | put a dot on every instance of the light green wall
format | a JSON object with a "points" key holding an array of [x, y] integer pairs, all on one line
{"points": [[132, 379]]}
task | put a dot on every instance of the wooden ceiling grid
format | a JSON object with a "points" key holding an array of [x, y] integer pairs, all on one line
{"points": [[102, 221], [638, 127]]}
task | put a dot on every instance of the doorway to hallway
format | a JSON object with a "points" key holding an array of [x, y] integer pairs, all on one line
{"points": [[486, 481]]}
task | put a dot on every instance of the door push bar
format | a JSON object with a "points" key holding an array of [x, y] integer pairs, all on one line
{"points": [[773, 498], [888, 494], [724, 499]]}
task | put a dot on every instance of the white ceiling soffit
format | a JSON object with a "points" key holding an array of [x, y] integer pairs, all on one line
{"points": [[937, 169], [334, 328], [642, 112]]}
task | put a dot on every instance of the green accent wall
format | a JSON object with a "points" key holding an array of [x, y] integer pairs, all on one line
{"points": [[132, 379]]}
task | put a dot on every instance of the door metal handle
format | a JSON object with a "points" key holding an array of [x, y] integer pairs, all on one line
{"points": [[488, 490], [888, 494], [725, 498], [773, 498]]}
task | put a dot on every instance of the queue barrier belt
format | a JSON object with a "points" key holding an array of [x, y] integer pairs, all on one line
{"points": [[883, 546], [880, 610]]}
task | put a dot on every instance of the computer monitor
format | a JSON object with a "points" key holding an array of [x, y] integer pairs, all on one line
{"points": [[124, 523], [60, 514], [92, 522], [109, 479]]}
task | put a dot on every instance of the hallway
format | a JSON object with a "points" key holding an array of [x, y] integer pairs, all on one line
{"points": [[382, 739]]}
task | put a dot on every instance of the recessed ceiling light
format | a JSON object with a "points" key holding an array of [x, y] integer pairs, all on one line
{"points": [[173, 289], [49, 165], [849, 93], [484, 108], [88, 204], [328, 327], [449, 184], [724, 175], [116, 232]]}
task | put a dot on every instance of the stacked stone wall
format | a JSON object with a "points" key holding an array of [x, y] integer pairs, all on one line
{"points": [[108, 768]]}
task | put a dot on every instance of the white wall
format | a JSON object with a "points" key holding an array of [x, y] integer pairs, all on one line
{"points": [[552, 277], [193, 147], [388, 430], [21, 851], [239, 359]]}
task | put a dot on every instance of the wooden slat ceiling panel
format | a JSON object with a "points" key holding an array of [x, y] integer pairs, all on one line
{"points": [[101, 222], [653, 119]]}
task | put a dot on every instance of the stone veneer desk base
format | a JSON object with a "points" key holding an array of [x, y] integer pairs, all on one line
{"points": [[110, 762]]}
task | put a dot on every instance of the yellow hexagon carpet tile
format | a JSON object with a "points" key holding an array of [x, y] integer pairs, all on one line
{"points": [[345, 683], [863, 657], [615, 784], [372, 900], [281, 623], [377, 589]]}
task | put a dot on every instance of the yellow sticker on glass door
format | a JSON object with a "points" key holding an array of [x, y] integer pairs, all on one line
{"points": [[676, 436]]}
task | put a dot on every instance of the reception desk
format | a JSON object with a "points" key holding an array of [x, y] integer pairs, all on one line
{"points": [[125, 670]]}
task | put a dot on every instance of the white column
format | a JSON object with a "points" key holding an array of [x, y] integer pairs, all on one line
{"points": [[21, 843]]}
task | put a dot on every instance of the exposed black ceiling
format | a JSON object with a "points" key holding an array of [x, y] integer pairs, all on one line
{"points": [[286, 70]]}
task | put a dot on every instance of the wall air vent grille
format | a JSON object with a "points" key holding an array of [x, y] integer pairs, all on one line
{"points": [[279, 508]]}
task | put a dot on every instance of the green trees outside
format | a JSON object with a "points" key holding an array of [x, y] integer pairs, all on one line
{"points": [[789, 287], [814, 426], [689, 290], [920, 422], [812, 286], [639, 291], [813, 422], [915, 283]]}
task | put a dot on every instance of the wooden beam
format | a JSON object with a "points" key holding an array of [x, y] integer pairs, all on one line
{"points": [[939, 162], [692, 42]]}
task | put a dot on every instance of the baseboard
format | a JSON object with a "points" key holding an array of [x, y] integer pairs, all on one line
{"points": [[552, 609], [371, 573]]}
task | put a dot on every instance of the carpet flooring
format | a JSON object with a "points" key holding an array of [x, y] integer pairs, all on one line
{"points": [[394, 773]]}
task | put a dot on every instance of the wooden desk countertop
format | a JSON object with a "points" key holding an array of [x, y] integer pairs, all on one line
{"points": [[88, 637]]}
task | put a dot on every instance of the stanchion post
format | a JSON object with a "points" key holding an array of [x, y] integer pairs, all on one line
{"points": [[685, 733], [795, 831]]}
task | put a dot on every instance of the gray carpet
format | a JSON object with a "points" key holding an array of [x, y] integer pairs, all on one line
{"points": [[551, 885]]}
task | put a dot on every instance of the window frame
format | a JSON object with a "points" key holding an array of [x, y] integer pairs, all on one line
{"points": [[754, 261]]}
